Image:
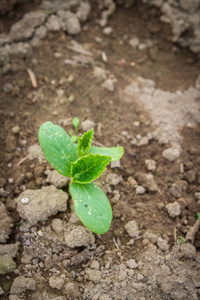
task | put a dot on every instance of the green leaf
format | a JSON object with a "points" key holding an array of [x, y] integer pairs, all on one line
{"points": [[75, 122], [92, 206], [85, 142], [198, 215], [74, 138], [89, 167], [114, 152], [58, 149]]}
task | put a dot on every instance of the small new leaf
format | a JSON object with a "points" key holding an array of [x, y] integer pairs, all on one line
{"points": [[58, 149], [92, 206], [89, 167], [85, 142], [75, 122], [114, 152]]}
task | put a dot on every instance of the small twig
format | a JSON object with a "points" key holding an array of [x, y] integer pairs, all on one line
{"points": [[175, 236], [22, 160], [99, 126], [37, 95], [193, 231], [32, 78], [116, 245]]}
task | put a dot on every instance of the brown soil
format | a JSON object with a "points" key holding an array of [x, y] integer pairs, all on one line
{"points": [[173, 69]]}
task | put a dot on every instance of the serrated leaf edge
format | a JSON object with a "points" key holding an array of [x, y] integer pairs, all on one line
{"points": [[90, 141], [87, 170]]}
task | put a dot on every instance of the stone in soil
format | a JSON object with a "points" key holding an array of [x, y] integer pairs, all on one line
{"points": [[10, 249], [22, 284], [83, 11], [150, 165], [58, 180], [147, 181], [69, 22], [173, 209], [187, 251], [6, 224], [53, 23], [57, 225], [178, 188], [7, 264], [108, 85], [71, 290], [99, 73], [162, 244], [140, 190], [87, 125], [132, 229], [24, 29], [93, 275], [113, 179], [171, 154], [42, 204], [56, 282], [131, 263], [79, 237]]}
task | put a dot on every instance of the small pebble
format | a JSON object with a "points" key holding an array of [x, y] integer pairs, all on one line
{"points": [[140, 190], [7, 88], [15, 129], [107, 30], [10, 180]]}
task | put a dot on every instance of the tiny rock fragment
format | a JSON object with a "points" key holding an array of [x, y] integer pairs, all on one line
{"points": [[151, 237], [71, 290], [78, 237], [131, 263], [188, 251], [140, 190], [178, 187], [134, 42], [56, 282], [162, 244], [94, 275], [57, 179], [132, 181], [150, 165], [22, 284], [107, 30], [15, 129], [171, 154], [147, 181], [83, 11], [95, 265], [115, 164], [113, 179], [132, 229], [143, 142], [10, 249], [99, 73], [87, 125], [57, 225], [173, 209], [197, 195], [7, 264], [108, 85]]}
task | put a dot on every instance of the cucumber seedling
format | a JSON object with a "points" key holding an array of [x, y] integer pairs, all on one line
{"points": [[83, 163]]}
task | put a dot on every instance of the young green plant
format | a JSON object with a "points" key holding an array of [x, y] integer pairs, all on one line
{"points": [[83, 163]]}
